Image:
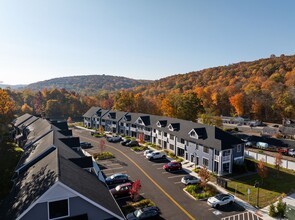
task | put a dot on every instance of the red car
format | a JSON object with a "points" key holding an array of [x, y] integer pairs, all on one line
{"points": [[172, 166], [121, 190]]}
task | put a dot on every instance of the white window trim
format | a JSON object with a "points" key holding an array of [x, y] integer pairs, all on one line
{"points": [[203, 162], [69, 214]]}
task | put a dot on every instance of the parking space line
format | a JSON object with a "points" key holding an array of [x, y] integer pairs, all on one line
{"points": [[176, 176], [165, 172], [114, 168], [157, 164], [177, 182], [159, 168], [154, 182]]}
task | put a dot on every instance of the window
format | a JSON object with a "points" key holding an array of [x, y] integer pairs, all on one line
{"points": [[139, 121], [165, 134], [216, 152], [205, 162], [193, 134], [239, 148], [122, 124], [182, 141], [206, 150], [159, 142], [171, 136], [171, 147], [58, 209], [147, 129], [159, 132], [226, 153]]}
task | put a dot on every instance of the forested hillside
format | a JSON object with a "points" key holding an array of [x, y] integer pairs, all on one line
{"points": [[88, 84], [262, 89]]}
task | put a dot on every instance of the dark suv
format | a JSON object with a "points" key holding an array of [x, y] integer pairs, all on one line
{"points": [[132, 144]]}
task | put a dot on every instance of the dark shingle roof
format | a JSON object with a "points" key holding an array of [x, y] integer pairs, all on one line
{"points": [[18, 121], [62, 164], [91, 112]]}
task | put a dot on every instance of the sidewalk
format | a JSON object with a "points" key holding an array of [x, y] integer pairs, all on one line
{"points": [[262, 213]]}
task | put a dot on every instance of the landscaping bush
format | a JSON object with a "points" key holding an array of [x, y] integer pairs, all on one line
{"points": [[131, 206], [103, 155], [196, 170], [201, 193], [142, 148], [281, 208], [272, 210]]}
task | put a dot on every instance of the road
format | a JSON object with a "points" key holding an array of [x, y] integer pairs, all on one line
{"points": [[163, 188]]}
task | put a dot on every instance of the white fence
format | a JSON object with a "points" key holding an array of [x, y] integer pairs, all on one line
{"points": [[270, 159]]}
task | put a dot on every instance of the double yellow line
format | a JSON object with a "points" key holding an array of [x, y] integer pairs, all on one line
{"points": [[151, 179]]}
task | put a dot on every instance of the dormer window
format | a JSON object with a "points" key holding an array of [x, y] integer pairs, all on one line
{"points": [[198, 133], [159, 124], [193, 134], [139, 121], [170, 127]]}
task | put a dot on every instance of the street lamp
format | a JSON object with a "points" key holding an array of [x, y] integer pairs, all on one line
{"points": [[256, 185]]}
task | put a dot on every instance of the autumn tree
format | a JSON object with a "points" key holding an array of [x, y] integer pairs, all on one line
{"points": [[26, 109], [278, 161], [52, 108], [262, 170], [204, 175], [102, 145], [6, 111], [141, 138], [237, 101], [100, 129], [134, 191]]}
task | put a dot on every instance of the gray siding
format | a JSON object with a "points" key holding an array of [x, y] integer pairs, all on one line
{"points": [[39, 210], [78, 206]]}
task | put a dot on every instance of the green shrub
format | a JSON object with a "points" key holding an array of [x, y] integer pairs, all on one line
{"points": [[281, 208], [272, 210], [201, 193], [142, 148], [103, 155], [196, 170]]}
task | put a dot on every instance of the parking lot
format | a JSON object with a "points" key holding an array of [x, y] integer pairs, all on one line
{"points": [[162, 187]]}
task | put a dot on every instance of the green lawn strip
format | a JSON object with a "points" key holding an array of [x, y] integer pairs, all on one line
{"points": [[272, 188], [103, 155], [9, 156]]}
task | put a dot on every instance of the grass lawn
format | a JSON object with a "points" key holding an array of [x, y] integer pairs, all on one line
{"points": [[274, 186], [9, 156]]}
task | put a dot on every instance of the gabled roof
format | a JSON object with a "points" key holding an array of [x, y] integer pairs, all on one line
{"points": [[102, 113], [18, 121], [174, 126], [200, 132], [50, 160], [114, 115], [91, 112], [162, 123]]}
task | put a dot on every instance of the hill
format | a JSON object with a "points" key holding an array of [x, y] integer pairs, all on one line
{"points": [[88, 84], [263, 89]]}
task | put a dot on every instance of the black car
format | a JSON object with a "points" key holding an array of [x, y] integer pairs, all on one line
{"points": [[116, 178], [125, 142], [85, 145], [132, 144], [151, 212]]}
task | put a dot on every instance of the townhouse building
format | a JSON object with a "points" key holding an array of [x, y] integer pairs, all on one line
{"points": [[53, 178], [201, 144]]}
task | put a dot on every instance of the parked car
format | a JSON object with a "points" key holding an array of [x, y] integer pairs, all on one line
{"points": [[291, 152], [121, 190], [132, 144], [114, 139], [151, 212], [147, 152], [124, 142], [220, 199], [85, 145], [116, 178], [188, 180], [172, 166], [155, 155]]}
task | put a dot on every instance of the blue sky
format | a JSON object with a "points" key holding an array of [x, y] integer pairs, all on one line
{"points": [[138, 39]]}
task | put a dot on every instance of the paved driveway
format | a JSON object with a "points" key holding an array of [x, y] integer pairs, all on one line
{"points": [[164, 188]]}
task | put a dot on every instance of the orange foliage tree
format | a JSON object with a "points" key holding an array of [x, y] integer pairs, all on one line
{"points": [[237, 101], [262, 170]]}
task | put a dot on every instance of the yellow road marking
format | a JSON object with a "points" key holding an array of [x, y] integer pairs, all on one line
{"points": [[159, 187]]}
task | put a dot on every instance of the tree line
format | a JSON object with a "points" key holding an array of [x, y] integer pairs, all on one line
{"points": [[262, 89]]}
